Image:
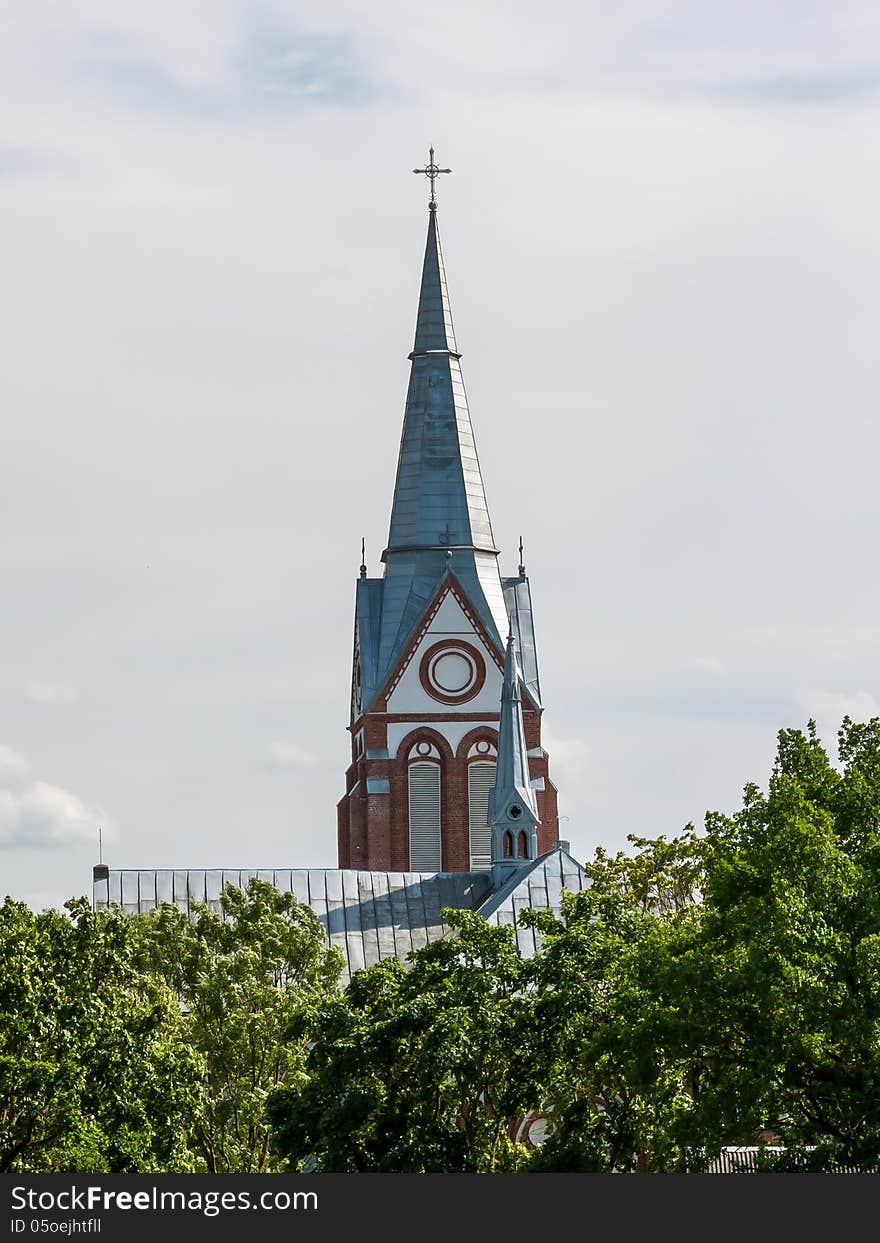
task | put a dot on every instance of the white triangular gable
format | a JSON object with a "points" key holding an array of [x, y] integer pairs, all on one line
{"points": [[450, 622]]}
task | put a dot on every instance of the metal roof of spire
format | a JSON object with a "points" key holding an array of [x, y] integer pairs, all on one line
{"points": [[439, 501], [512, 779], [434, 329]]}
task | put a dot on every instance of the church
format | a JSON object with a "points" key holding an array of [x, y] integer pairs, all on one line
{"points": [[448, 798]]}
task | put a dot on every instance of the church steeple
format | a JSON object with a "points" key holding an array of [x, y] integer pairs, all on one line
{"points": [[439, 503], [439, 500], [429, 644], [513, 808]]}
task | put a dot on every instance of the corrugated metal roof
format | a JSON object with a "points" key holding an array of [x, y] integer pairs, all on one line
{"points": [[369, 915], [746, 1160], [539, 885]]}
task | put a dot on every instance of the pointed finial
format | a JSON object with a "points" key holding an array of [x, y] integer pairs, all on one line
{"points": [[432, 172], [522, 568], [363, 558]]}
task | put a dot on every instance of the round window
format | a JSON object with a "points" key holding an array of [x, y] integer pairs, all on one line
{"points": [[452, 671]]}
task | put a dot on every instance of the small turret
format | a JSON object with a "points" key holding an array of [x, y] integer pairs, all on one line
{"points": [[513, 809]]}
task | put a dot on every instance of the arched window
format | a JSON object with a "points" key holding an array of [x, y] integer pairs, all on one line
{"points": [[508, 845], [481, 759], [481, 780], [425, 854], [522, 845]]}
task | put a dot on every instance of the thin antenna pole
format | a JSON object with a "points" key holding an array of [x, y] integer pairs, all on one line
{"points": [[522, 567], [100, 845], [363, 558]]}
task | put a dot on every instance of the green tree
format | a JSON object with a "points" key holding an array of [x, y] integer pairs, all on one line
{"points": [[419, 1069], [244, 975], [708, 990], [791, 931], [619, 1085], [94, 1074]]}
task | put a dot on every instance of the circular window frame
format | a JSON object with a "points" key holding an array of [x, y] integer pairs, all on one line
{"points": [[460, 648]]}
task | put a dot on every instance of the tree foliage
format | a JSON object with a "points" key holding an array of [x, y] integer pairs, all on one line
{"points": [[699, 992], [95, 1071], [243, 975], [702, 991], [619, 1084], [791, 927], [420, 1069], [746, 1005], [150, 1042]]}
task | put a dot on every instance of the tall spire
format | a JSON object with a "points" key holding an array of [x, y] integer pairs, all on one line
{"points": [[434, 329], [439, 501]]}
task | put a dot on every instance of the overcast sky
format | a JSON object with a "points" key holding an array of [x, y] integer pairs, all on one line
{"points": [[663, 254]]}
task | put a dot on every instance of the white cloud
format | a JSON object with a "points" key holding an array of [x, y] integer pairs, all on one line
{"points": [[51, 693], [36, 813], [287, 757], [13, 767], [709, 664]]}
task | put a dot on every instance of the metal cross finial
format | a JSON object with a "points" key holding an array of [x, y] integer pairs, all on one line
{"points": [[432, 172]]}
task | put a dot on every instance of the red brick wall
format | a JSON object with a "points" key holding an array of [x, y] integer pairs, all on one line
{"points": [[373, 829]]}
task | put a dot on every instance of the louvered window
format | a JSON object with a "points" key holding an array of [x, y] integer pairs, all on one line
{"points": [[481, 779], [424, 816]]}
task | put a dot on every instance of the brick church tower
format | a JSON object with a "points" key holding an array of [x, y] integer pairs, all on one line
{"points": [[431, 636]]}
